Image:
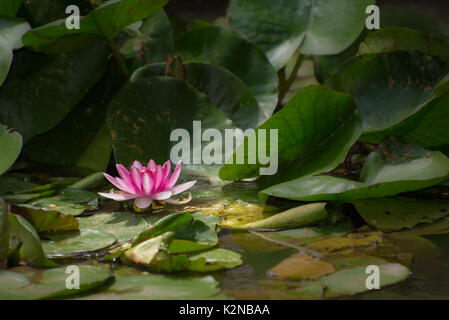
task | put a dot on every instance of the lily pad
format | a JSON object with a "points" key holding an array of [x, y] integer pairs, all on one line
{"points": [[123, 225], [11, 144], [72, 243], [352, 281], [158, 287], [4, 235], [213, 260], [46, 221], [312, 27], [392, 214], [10, 8], [25, 284], [293, 218], [394, 168], [225, 90], [30, 249], [349, 241], [230, 49], [301, 267], [105, 21]]}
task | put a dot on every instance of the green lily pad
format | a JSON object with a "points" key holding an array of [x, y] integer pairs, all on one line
{"points": [[213, 260], [230, 49], [11, 143], [352, 281], [105, 21], [303, 148], [392, 214], [313, 27], [72, 243], [46, 221], [158, 287], [4, 235], [224, 89], [36, 95], [123, 225], [30, 249], [10, 8], [193, 237], [293, 218], [16, 183], [49, 284], [394, 168], [151, 42]]}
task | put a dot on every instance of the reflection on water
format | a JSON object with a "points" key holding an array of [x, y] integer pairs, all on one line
{"points": [[429, 280]]}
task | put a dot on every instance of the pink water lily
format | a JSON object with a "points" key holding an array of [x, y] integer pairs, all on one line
{"points": [[145, 184]]}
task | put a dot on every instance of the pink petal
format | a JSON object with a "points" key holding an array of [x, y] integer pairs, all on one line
{"points": [[117, 196], [125, 187], [137, 164], [114, 181], [143, 203], [166, 168], [176, 201], [164, 195], [137, 178], [151, 165], [147, 184], [157, 179], [182, 187], [174, 178], [124, 174]]}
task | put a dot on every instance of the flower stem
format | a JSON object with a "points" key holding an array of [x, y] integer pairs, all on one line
{"points": [[119, 59], [288, 83]]}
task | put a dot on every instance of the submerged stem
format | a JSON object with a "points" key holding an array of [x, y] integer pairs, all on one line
{"points": [[119, 59], [284, 89]]}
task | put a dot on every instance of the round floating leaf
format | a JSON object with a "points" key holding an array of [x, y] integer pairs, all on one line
{"points": [[193, 237], [35, 284], [313, 27], [142, 116], [293, 218], [301, 267], [158, 287], [392, 214], [106, 21], [11, 145], [229, 49], [152, 42], [395, 168], [315, 131], [36, 96], [352, 281], [123, 225], [83, 241], [213, 260], [224, 89], [391, 87]]}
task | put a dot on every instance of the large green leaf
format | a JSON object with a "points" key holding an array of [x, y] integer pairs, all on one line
{"points": [[11, 32], [229, 49], [224, 89], [390, 87], [124, 226], [24, 284], [30, 249], [11, 145], [4, 235], [106, 21], [315, 131], [10, 7], [76, 242], [144, 113], [46, 221], [394, 168], [213, 260], [158, 287], [85, 144], [314, 27], [152, 42], [37, 95], [392, 214]]}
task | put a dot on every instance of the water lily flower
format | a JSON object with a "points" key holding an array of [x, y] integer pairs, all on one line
{"points": [[146, 184]]}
